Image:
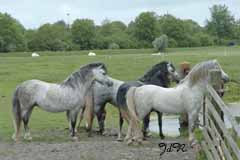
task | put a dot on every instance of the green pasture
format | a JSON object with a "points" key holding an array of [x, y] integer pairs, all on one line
{"points": [[122, 64]]}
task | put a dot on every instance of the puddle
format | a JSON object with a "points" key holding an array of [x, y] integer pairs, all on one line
{"points": [[170, 125]]}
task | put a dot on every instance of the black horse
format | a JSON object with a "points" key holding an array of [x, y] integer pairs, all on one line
{"points": [[160, 74]]}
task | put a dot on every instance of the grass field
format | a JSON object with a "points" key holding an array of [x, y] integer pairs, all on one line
{"points": [[122, 64]]}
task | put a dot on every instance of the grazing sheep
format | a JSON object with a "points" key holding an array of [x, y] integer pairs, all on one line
{"points": [[91, 54], [34, 54]]}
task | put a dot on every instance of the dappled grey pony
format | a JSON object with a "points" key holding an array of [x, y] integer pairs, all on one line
{"points": [[66, 96], [160, 74], [187, 97]]}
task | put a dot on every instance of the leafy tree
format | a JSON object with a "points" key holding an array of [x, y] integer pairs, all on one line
{"points": [[53, 37], [112, 32], [11, 34], [221, 23], [237, 31], [108, 28], [173, 28], [181, 33], [205, 39], [161, 43], [144, 28], [83, 33], [113, 46], [172, 43]]}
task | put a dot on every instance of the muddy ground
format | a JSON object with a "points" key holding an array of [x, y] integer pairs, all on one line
{"points": [[96, 147]]}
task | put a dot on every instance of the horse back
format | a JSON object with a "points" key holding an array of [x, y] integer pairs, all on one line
{"points": [[122, 91]]}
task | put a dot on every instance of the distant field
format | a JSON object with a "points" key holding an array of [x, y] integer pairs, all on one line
{"points": [[122, 64]]}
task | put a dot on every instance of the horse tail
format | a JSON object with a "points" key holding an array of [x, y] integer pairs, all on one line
{"points": [[131, 103], [89, 109], [16, 110]]}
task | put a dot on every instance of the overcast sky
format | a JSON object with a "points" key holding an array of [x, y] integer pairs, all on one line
{"points": [[33, 13]]}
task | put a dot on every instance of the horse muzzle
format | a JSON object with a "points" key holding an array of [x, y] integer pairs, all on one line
{"points": [[225, 77]]}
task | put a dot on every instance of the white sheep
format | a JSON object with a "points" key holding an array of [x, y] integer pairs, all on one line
{"points": [[34, 54], [91, 54]]}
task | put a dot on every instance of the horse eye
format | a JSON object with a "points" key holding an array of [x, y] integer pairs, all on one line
{"points": [[104, 73]]}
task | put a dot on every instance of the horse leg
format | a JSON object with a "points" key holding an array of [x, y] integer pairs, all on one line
{"points": [[81, 116], [129, 134], [138, 132], [160, 124], [73, 119], [25, 119], [192, 117], [101, 116], [146, 121], [123, 114], [69, 121], [120, 126]]}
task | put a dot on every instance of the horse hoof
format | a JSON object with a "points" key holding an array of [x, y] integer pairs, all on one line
{"points": [[193, 143], [14, 137], [119, 139], [105, 133], [76, 131], [136, 143], [145, 142], [28, 138], [148, 134], [129, 142], [126, 139], [89, 134], [99, 132], [75, 139]]}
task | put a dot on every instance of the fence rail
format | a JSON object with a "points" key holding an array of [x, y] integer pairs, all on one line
{"points": [[219, 143]]}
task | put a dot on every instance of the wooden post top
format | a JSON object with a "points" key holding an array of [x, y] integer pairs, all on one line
{"points": [[215, 78]]}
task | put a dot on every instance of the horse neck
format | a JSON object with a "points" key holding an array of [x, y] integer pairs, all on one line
{"points": [[160, 80], [85, 86], [116, 85], [201, 84]]}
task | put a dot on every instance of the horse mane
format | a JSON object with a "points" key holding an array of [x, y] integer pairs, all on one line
{"points": [[150, 73], [82, 75], [200, 71]]}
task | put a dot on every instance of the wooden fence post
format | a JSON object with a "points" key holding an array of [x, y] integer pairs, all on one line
{"points": [[216, 81]]}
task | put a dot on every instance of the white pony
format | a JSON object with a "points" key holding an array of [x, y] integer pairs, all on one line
{"points": [[187, 97]]}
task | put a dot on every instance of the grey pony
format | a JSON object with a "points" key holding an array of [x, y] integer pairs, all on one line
{"points": [[66, 96]]}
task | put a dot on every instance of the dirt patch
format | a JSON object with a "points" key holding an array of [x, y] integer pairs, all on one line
{"points": [[92, 148]]}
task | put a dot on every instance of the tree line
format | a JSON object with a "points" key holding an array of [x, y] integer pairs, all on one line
{"points": [[222, 28]]}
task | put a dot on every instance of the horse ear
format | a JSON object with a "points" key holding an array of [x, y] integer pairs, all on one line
{"points": [[100, 66]]}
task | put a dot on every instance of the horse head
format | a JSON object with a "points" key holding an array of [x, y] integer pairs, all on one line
{"points": [[200, 72], [99, 73], [161, 74]]}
